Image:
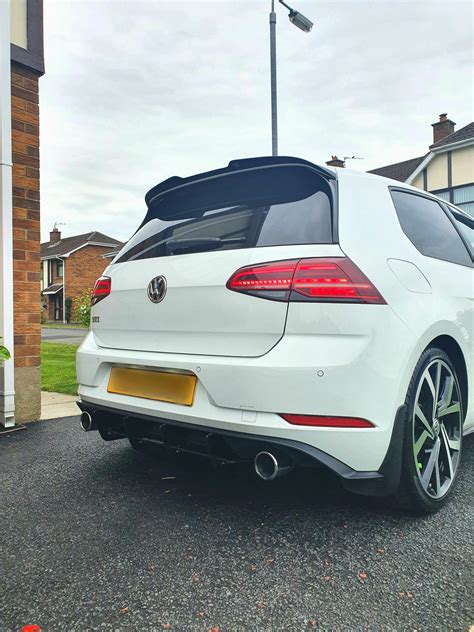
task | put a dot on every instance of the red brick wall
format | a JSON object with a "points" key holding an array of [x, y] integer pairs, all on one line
{"points": [[26, 239], [83, 268]]}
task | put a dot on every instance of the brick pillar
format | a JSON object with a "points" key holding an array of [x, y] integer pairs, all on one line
{"points": [[26, 242]]}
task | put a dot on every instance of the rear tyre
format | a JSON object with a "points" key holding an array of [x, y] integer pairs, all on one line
{"points": [[433, 434]]}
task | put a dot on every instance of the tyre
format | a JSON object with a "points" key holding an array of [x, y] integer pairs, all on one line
{"points": [[433, 434]]}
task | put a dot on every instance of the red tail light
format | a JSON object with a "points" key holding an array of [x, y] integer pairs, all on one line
{"points": [[327, 422], [101, 289], [335, 279]]}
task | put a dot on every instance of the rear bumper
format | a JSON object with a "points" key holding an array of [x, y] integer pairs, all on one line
{"points": [[231, 447], [361, 374]]}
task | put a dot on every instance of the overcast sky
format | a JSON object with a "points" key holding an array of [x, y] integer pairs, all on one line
{"points": [[135, 92]]}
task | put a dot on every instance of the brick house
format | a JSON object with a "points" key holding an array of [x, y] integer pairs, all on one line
{"points": [[71, 266], [21, 66]]}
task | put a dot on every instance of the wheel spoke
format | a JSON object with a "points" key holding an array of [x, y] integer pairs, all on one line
{"points": [[421, 442], [447, 392], [437, 478], [454, 408], [421, 416], [428, 473], [437, 383], [447, 451], [429, 381], [453, 444]]}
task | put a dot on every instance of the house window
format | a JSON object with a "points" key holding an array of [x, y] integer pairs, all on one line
{"points": [[59, 268], [461, 196], [444, 195]]}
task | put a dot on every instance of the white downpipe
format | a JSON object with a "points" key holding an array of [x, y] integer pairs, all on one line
{"points": [[64, 289], [7, 376]]}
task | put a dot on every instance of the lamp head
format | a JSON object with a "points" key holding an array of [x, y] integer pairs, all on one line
{"points": [[299, 20]]}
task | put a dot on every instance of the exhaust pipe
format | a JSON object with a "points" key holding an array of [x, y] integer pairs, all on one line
{"points": [[86, 422], [268, 467]]}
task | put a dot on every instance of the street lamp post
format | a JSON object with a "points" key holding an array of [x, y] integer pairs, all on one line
{"points": [[302, 22]]}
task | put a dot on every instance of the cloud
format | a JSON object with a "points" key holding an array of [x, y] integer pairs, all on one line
{"points": [[137, 91]]}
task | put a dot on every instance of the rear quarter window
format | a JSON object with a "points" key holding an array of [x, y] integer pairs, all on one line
{"points": [[429, 228]]}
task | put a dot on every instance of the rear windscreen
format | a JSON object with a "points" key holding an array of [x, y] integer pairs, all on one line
{"points": [[276, 206]]}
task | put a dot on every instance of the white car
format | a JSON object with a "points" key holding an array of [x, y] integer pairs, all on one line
{"points": [[287, 314]]}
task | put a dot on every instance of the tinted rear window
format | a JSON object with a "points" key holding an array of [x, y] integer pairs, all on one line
{"points": [[267, 207]]}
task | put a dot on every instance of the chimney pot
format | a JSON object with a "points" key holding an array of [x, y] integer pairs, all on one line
{"points": [[444, 127], [54, 236], [335, 162]]}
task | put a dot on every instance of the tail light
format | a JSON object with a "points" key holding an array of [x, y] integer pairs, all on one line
{"points": [[335, 279], [101, 289], [327, 422]]}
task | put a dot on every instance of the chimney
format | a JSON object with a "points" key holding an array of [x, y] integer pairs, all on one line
{"points": [[54, 236], [444, 127], [335, 162]]}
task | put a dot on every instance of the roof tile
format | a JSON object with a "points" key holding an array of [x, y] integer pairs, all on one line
{"points": [[68, 244]]}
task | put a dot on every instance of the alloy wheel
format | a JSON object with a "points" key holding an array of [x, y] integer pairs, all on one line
{"points": [[437, 429]]}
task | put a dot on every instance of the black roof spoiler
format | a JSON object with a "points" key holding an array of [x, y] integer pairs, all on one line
{"points": [[233, 166]]}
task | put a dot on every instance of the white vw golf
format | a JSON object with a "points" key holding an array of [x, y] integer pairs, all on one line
{"points": [[286, 314]]}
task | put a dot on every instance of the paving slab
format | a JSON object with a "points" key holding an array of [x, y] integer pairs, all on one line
{"points": [[55, 405]]}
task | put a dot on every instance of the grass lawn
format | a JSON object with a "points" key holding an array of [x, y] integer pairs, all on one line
{"points": [[58, 368]]}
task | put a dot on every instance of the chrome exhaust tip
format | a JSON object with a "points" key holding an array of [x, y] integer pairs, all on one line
{"points": [[86, 421], [268, 468]]}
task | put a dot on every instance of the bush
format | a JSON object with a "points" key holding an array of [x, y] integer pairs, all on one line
{"points": [[44, 318], [68, 309], [4, 353], [82, 308]]}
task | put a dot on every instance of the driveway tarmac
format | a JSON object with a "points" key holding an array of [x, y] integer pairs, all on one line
{"points": [[97, 536]]}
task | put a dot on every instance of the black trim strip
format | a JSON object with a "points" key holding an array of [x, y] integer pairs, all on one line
{"points": [[33, 57], [450, 171]]}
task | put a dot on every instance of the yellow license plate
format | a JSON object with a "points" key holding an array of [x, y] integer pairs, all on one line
{"points": [[175, 388]]}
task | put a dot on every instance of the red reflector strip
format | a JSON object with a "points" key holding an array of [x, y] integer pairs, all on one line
{"points": [[326, 422], [101, 289]]}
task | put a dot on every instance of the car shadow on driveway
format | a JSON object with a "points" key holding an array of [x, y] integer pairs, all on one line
{"points": [[184, 477]]}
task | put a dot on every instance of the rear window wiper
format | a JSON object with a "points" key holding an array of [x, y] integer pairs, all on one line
{"points": [[200, 243]]}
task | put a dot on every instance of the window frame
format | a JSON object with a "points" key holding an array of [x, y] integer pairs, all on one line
{"points": [[444, 207], [451, 190], [452, 216], [59, 264]]}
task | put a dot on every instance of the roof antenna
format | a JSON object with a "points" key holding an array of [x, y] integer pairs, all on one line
{"points": [[353, 158], [56, 224]]}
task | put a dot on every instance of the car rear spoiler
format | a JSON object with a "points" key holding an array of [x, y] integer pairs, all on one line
{"points": [[234, 166]]}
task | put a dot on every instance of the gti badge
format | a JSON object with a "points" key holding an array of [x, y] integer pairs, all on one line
{"points": [[157, 289]]}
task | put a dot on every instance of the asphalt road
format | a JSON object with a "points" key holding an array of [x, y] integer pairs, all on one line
{"points": [[69, 335], [96, 536]]}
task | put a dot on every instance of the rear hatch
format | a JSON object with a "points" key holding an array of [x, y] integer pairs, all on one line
{"points": [[168, 285]]}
